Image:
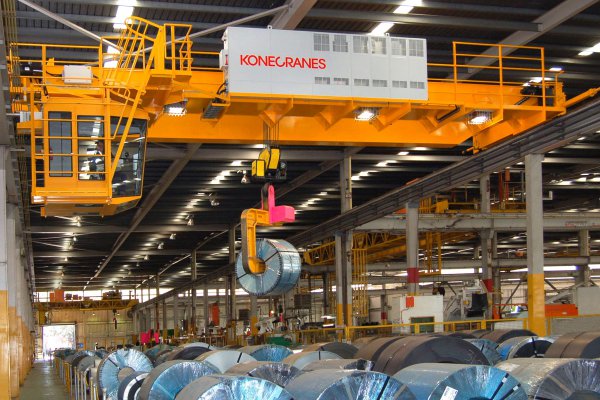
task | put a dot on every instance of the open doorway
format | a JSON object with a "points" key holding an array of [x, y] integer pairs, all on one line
{"points": [[57, 337]]}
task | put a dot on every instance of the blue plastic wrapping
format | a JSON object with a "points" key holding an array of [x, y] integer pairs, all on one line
{"points": [[356, 363], [110, 367], [167, 379], [488, 348], [130, 386], [227, 387], [436, 381], [331, 384], [222, 360], [277, 372], [188, 351], [282, 271], [556, 378], [152, 352], [302, 359], [524, 347], [267, 352]]}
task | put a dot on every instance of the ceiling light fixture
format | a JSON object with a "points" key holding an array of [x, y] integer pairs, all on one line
{"points": [[160, 246], [403, 153], [124, 11], [381, 28], [190, 221], [237, 163], [479, 117], [366, 114], [556, 69], [146, 257], [172, 236]]}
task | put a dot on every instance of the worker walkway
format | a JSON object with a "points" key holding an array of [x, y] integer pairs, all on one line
{"points": [[43, 383]]}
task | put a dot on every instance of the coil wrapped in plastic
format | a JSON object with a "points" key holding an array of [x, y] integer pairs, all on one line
{"points": [[118, 365], [331, 384], [356, 363], [488, 348], [62, 353], [576, 345], [412, 350], [344, 350], [282, 271], [277, 372], [500, 335], [87, 362], [524, 347], [302, 359], [461, 382], [557, 378], [80, 355], [162, 358], [222, 360], [374, 348], [228, 387], [189, 351], [152, 352], [166, 380], [129, 387], [267, 352]]}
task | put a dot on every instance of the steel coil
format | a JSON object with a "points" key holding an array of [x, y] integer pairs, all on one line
{"points": [[116, 364], [282, 271], [488, 348], [87, 362], [576, 345], [331, 384], [129, 387], [153, 352], [166, 380], [460, 382], [500, 335], [222, 360], [357, 363], [267, 352], [412, 350], [162, 358], [458, 334], [344, 350], [360, 342], [372, 350], [227, 387], [557, 378], [524, 347], [302, 359], [277, 372], [477, 333], [189, 351]]}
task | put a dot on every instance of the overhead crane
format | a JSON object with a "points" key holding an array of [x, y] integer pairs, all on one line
{"points": [[89, 123]]}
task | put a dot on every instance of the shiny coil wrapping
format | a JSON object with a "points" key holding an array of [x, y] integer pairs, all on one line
{"points": [[488, 348], [356, 363], [162, 358], [87, 362], [227, 387], [222, 360], [277, 372], [267, 352], [153, 352], [344, 350], [166, 380], [130, 386], [412, 350], [331, 384], [302, 359], [557, 378], [107, 374], [524, 347], [435, 381], [282, 271]]}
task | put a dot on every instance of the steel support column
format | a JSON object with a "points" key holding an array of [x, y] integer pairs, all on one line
{"points": [[412, 247], [231, 280], [583, 270], [156, 305], [343, 249], [254, 314], [485, 237], [165, 331], [176, 316], [535, 244], [205, 304], [192, 323], [496, 276]]}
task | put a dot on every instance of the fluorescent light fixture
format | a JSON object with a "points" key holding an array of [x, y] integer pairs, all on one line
{"points": [[123, 12], [322, 194], [363, 173], [237, 163], [381, 28], [365, 114], [585, 53], [556, 69], [355, 178], [403, 153], [479, 117], [382, 164], [176, 110], [407, 6], [172, 236]]}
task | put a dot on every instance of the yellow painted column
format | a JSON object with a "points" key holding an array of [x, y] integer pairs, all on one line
{"points": [[536, 296], [14, 351], [4, 342]]}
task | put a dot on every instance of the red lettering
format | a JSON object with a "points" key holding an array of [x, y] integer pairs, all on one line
{"points": [[281, 62]]}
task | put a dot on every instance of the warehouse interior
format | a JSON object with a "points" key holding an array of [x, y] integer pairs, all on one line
{"points": [[245, 215]]}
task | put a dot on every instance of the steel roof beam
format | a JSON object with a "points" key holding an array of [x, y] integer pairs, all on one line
{"points": [[290, 18], [98, 229], [120, 253], [499, 222]]}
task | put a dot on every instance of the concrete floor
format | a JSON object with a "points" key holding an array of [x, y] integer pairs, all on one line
{"points": [[43, 383]]}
